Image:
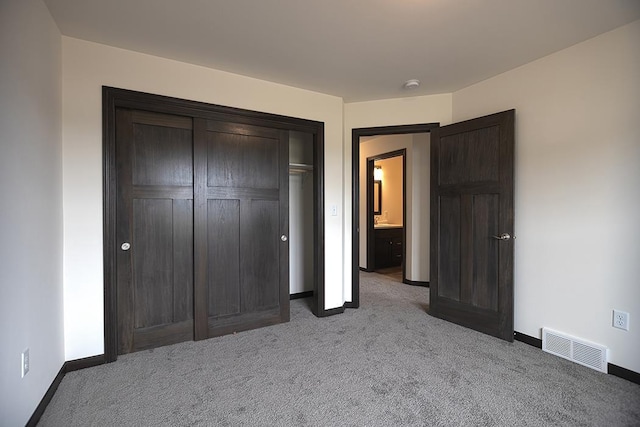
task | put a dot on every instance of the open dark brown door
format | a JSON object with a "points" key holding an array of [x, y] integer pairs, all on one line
{"points": [[154, 232], [241, 216], [472, 224]]}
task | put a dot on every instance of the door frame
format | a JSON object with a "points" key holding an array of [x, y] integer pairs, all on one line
{"points": [[370, 221], [356, 134], [113, 98]]}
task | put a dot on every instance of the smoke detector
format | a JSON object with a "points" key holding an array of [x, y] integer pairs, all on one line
{"points": [[411, 84]]}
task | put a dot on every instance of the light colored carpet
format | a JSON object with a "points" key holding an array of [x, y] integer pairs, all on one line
{"points": [[385, 364]]}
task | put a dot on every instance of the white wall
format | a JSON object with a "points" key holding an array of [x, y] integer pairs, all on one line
{"points": [[31, 307], [388, 112], [86, 67], [577, 194]]}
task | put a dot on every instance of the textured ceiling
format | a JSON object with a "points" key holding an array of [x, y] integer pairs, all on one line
{"points": [[355, 49]]}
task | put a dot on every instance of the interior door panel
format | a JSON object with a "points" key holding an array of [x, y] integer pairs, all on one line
{"points": [[472, 167]]}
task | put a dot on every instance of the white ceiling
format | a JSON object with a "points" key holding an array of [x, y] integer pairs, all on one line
{"points": [[355, 49]]}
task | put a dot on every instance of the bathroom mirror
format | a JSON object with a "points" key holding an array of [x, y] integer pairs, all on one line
{"points": [[377, 197]]}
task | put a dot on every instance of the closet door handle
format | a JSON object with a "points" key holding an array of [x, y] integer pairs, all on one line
{"points": [[284, 238], [503, 236], [125, 246]]}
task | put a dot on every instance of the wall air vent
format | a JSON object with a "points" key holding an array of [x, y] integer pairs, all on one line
{"points": [[577, 350]]}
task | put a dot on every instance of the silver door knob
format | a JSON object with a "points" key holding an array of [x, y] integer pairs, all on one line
{"points": [[503, 236], [283, 238], [125, 246]]}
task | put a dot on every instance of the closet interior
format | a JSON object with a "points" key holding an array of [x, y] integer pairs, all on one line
{"points": [[301, 213]]}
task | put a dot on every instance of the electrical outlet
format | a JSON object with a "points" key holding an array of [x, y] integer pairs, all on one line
{"points": [[621, 320], [25, 362]]}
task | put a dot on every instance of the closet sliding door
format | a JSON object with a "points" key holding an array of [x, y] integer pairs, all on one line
{"points": [[201, 228], [241, 227], [154, 229]]}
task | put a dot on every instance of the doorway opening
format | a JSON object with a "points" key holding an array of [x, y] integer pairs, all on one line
{"points": [[470, 219], [386, 213], [360, 228], [301, 214]]}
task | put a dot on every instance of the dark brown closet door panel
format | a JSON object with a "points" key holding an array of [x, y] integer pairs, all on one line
{"points": [[154, 217], [124, 226], [161, 335], [259, 244], [183, 260], [153, 262], [162, 156], [223, 224], [241, 212], [242, 161]]}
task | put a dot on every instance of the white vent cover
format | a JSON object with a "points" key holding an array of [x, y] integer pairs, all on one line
{"points": [[592, 355]]}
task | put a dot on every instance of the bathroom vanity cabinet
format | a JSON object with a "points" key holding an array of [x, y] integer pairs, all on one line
{"points": [[388, 246]]}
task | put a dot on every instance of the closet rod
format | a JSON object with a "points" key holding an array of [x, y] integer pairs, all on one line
{"points": [[300, 168]]}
